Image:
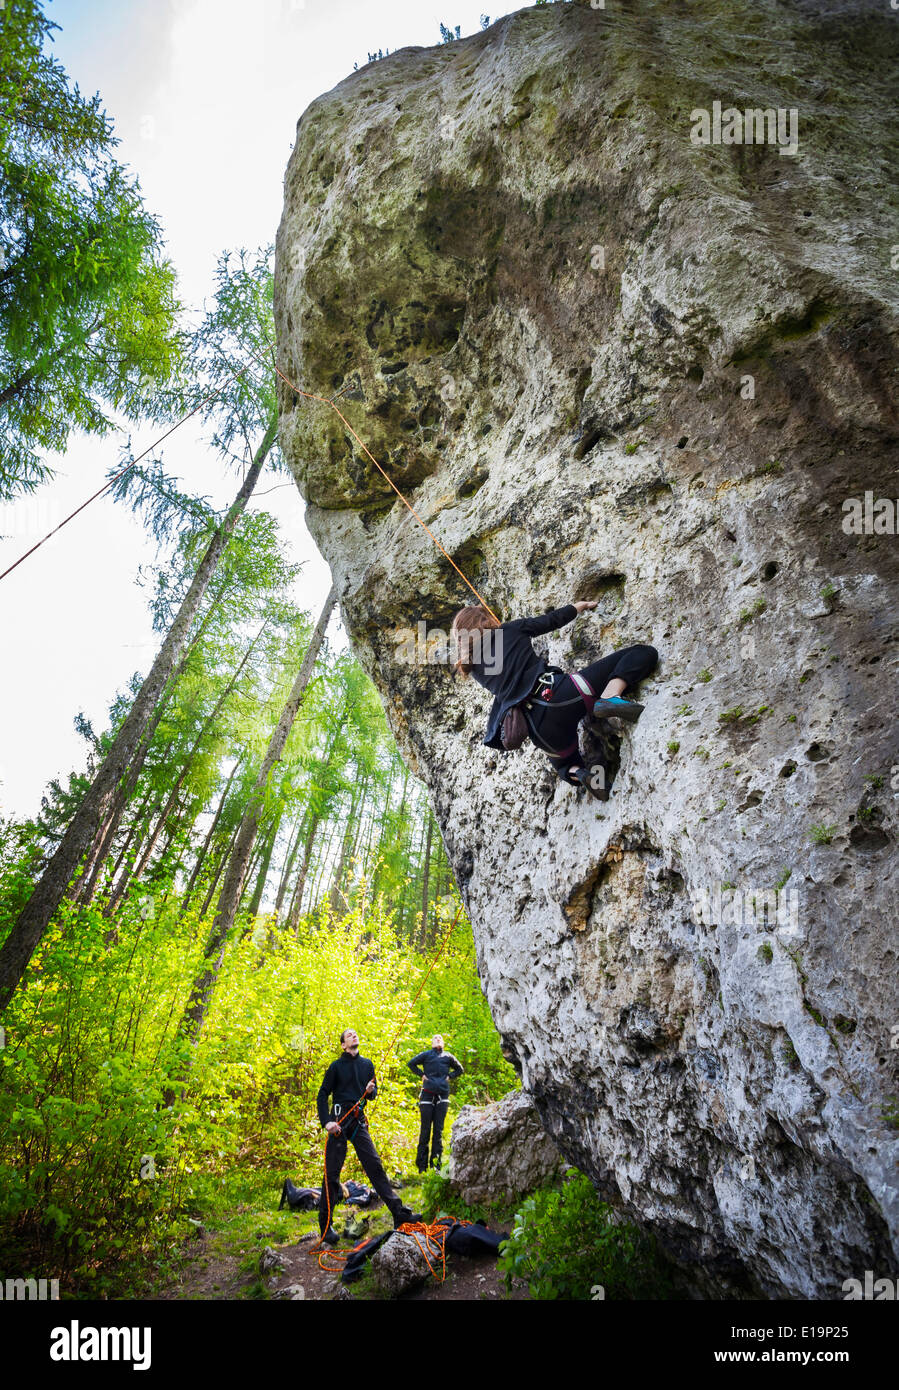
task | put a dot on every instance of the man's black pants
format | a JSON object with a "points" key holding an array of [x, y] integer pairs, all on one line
{"points": [[335, 1157], [433, 1110]]}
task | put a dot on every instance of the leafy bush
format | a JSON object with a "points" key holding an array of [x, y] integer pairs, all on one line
{"points": [[438, 1197], [568, 1243]]}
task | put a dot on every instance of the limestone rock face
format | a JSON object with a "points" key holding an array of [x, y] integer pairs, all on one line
{"points": [[500, 1151], [606, 361]]}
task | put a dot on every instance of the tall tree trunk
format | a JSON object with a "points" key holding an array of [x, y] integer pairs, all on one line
{"points": [[222, 861], [35, 917], [292, 846], [258, 891], [195, 1013], [296, 902], [423, 939], [208, 841], [115, 896]]}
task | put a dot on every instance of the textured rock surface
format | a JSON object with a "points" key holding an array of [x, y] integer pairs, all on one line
{"points": [[501, 1151], [605, 362], [400, 1264]]}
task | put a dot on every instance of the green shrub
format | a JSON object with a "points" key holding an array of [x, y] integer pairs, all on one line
{"points": [[439, 1199], [566, 1244]]}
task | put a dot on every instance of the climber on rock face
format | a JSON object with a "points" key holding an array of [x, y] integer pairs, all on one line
{"points": [[552, 701]]}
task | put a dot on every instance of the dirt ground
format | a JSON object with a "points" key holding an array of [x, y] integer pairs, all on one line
{"points": [[214, 1267]]}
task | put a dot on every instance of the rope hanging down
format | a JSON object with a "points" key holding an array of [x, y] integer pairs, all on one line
{"points": [[113, 479], [344, 1255], [309, 395]]}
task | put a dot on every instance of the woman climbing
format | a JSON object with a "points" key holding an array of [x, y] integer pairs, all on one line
{"points": [[552, 701]]}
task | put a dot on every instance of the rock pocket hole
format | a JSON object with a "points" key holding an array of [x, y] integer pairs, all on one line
{"points": [[770, 570], [868, 838], [586, 443], [682, 442], [815, 753]]}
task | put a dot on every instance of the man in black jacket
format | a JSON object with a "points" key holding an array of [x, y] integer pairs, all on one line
{"points": [[437, 1068], [351, 1078]]}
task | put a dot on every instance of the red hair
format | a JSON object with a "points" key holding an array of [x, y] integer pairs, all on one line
{"points": [[475, 619]]}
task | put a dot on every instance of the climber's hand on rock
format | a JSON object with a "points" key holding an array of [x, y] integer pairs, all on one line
{"points": [[583, 604]]}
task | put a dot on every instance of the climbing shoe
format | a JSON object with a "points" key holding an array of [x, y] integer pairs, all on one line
{"points": [[594, 779], [330, 1237], [616, 708]]}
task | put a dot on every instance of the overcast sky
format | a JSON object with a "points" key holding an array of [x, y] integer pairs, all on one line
{"points": [[205, 96]]}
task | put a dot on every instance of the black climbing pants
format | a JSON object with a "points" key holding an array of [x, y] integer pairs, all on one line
{"points": [[433, 1110], [335, 1156], [553, 722]]}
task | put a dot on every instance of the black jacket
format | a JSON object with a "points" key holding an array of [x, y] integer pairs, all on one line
{"points": [[519, 667], [345, 1080], [436, 1067]]}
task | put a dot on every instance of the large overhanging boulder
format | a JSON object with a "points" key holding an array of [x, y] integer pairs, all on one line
{"points": [[606, 360]]}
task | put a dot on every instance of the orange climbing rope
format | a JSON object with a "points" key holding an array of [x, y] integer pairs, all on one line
{"points": [[325, 400], [343, 1256]]}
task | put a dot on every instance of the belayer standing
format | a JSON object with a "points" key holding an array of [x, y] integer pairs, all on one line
{"points": [[347, 1079], [437, 1068], [552, 701]]}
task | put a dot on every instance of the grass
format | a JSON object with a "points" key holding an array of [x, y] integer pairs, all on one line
{"points": [[705, 675], [702, 752], [683, 710], [822, 834], [875, 781], [730, 716], [890, 1112], [747, 614], [672, 746], [765, 952], [828, 590], [783, 879]]}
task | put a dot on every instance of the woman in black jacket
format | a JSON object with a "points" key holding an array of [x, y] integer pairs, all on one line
{"points": [[501, 658], [437, 1068]]}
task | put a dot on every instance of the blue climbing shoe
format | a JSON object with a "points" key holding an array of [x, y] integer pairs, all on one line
{"points": [[616, 708]]}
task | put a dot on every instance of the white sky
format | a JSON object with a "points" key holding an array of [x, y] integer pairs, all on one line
{"points": [[205, 96]]}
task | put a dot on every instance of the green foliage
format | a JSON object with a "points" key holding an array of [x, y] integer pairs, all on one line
{"points": [[439, 1199], [87, 302], [822, 834], [705, 675], [765, 952], [97, 1177], [566, 1243], [673, 746], [747, 614]]}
